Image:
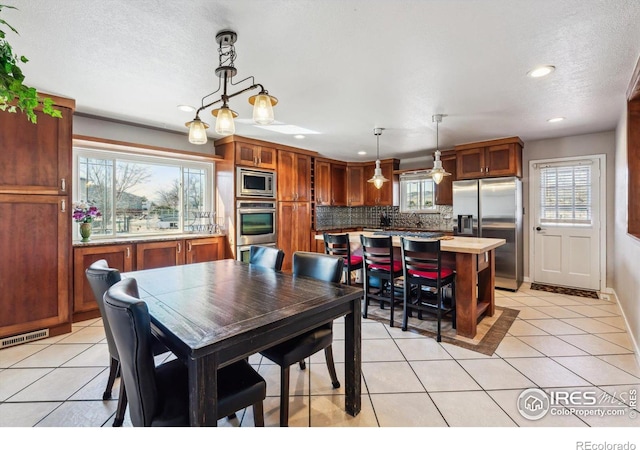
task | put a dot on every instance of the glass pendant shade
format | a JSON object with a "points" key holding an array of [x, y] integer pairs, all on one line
{"points": [[377, 179], [197, 131], [224, 121], [263, 108], [437, 176], [438, 172]]}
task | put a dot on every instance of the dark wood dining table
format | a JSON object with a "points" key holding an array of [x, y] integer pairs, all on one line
{"points": [[212, 314]]}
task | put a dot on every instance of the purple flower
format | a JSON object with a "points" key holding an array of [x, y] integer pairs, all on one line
{"points": [[85, 213]]}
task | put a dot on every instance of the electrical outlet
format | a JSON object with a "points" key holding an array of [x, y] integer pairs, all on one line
{"points": [[604, 297]]}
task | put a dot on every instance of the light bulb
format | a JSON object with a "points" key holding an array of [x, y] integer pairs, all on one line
{"points": [[262, 109], [378, 182], [197, 131], [437, 176], [224, 121]]}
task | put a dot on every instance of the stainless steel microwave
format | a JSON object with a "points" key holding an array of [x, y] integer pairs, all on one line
{"points": [[255, 183]]}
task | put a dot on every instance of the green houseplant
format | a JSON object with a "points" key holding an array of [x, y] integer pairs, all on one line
{"points": [[14, 94]]}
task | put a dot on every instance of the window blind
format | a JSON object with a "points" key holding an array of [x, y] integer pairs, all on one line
{"points": [[565, 196]]}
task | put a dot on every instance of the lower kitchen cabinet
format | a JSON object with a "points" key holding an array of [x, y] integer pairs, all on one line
{"points": [[294, 223], [136, 256]]}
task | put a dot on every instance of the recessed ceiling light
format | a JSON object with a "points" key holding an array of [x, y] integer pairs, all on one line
{"points": [[186, 108], [541, 71], [362, 153], [299, 136], [555, 119]]}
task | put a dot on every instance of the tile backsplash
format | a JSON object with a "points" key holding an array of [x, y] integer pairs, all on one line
{"points": [[331, 217]]}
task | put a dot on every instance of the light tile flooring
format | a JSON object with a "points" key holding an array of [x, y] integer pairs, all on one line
{"points": [[558, 343]]}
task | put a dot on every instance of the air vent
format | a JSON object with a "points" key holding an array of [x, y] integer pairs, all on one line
{"points": [[22, 338]]}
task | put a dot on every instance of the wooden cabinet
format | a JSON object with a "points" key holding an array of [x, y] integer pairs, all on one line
{"points": [[444, 190], [35, 221], [355, 185], [136, 256], [294, 176], [121, 257], [338, 184], [294, 223], [330, 183], [255, 156], [389, 193], [498, 158]]}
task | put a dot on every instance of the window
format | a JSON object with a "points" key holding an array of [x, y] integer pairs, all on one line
{"points": [[417, 193], [141, 194], [565, 194]]}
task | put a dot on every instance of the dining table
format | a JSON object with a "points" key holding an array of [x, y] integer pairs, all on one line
{"points": [[212, 314]]}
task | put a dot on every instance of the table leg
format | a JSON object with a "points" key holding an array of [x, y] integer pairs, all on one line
{"points": [[203, 392], [466, 299], [353, 359]]}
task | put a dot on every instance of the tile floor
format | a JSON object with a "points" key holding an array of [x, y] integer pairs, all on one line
{"points": [[558, 343]]}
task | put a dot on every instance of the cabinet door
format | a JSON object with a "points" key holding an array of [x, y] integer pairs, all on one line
{"points": [[45, 147], [502, 160], [287, 182], [151, 255], [323, 183], [339, 184], [267, 158], [355, 180], [444, 190], [371, 194], [386, 191], [35, 264], [303, 178], [205, 249], [470, 163], [294, 224], [120, 257], [247, 154]]}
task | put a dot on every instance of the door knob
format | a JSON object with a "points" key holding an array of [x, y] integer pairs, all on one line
{"points": [[538, 229]]}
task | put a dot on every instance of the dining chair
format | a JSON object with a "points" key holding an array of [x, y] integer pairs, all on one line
{"points": [[422, 267], [321, 267], [379, 264], [159, 396], [268, 257], [101, 277], [338, 245]]}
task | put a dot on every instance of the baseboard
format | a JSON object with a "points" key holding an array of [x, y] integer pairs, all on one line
{"points": [[634, 341]]}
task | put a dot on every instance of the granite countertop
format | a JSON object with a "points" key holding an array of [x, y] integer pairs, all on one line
{"points": [[430, 230], [135, 239]]}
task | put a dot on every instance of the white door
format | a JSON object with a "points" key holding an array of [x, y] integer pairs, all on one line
{"points": [[566, 222]]}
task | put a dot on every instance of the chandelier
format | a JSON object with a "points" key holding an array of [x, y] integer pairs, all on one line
{"points": [[438, 172], [377, 179], [263, 103]]}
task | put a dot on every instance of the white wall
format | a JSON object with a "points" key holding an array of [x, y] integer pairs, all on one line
{"points": [[625, 270], [586, 144]]}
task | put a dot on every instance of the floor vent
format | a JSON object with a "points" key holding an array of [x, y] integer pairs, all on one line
{"points": [[22, 338]]}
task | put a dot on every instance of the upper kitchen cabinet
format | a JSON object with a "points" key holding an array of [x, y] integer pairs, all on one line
{"points": [[389, 193], [338, 184], [294, 176], [444, 190], [36, 158], [330, 183], [497, 158], [255, 156], [355, 185]]}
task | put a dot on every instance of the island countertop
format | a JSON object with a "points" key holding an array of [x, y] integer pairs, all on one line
{"points": [[457, 244]]}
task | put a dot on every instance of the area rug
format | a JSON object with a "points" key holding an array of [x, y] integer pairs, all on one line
{"points": [[490, 330], [565, 290]]}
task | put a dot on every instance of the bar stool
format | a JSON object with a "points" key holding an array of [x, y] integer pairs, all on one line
{"points": [[338, 245], [378, 262]]}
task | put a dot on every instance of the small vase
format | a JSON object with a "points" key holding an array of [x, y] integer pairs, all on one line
{"points": [[85, 231]]}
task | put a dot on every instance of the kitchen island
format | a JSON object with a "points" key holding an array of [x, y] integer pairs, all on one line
{"points": [[475, 276]]}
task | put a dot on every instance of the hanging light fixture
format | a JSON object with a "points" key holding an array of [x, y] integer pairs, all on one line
{"points": [[263, 103], [377, 179], [437, 173]]}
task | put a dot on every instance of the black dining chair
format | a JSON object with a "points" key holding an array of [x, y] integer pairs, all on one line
{"points": [[268, 257], [321, 267], [101, 277], [159, 396], [379, 263], [422, 268], [338, 245]]}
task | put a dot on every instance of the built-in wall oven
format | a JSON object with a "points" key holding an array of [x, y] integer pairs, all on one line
{"points": [[256, 223], [243, 251]]}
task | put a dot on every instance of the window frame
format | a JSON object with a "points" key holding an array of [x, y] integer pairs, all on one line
{"points": [[145, 155], [412, 177]]}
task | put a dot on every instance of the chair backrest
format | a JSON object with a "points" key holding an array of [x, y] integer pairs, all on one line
{"points": [[338, 245], [131, 327], [269, 257], [422, 256], [101, 277], [318, 266], [377, 250]]}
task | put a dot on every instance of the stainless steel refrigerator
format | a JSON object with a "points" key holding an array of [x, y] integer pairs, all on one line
{"points": [[492, 208]]}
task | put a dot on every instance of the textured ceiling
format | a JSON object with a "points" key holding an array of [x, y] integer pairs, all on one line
{"points": [[341, 68]]}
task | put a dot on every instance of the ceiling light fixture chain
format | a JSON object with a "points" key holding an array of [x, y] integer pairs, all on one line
{"points": [[377, 179], [263, 103], [438, 172]]}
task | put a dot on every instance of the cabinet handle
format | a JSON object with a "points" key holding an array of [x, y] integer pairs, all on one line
{"points": [[179, 247], [259, 160], [481, 169], [486, 169], [189, 246], [128, 252], [63, 206], [63, 184]]}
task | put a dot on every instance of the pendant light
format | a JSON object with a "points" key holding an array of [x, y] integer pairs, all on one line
{"points": [[437, 173], [377, 179]]}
